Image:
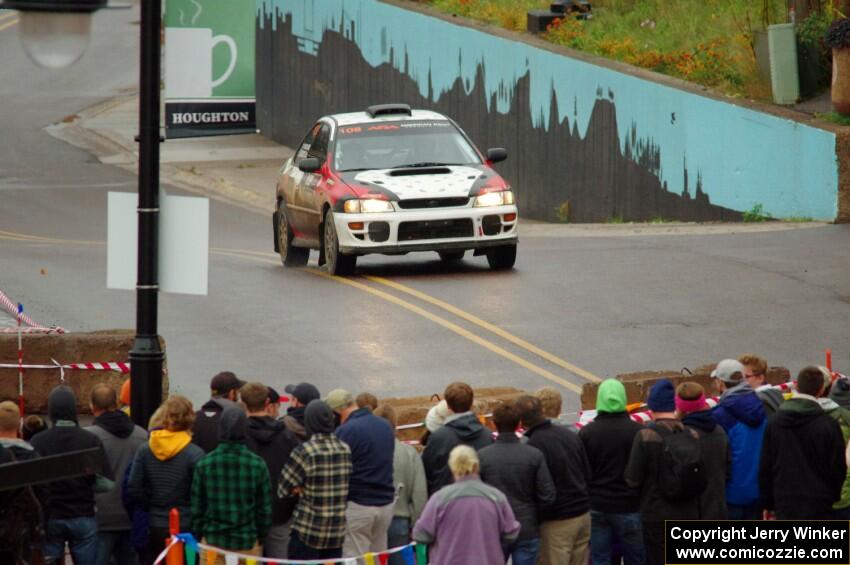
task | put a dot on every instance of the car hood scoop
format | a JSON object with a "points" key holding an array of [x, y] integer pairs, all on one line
{"points": [[420, 171], [456, 181]]}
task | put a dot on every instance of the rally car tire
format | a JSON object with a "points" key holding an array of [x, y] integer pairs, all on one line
{"points": [[338, 264], [290, 255], [502, 258]]}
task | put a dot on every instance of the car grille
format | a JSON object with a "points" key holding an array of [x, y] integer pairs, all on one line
{"points": [[435, 229], [417, 203]]}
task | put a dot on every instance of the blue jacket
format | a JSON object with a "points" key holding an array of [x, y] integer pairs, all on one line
{"points": [[372, 442], [741, 414]]}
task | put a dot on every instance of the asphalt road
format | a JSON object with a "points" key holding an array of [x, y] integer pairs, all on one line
{"points": [[575, 308]]}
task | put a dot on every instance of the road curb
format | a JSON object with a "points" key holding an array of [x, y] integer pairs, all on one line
{"points": [[111, 148]]}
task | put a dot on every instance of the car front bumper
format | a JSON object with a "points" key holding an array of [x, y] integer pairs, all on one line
{"points": [[443, 229]]}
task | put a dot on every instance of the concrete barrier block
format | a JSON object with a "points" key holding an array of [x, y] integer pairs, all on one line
{"points": [[412, 410], [82, 347], [638, 384]]}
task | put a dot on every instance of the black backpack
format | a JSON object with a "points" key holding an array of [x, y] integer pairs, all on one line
{"points": [[681, 472]]}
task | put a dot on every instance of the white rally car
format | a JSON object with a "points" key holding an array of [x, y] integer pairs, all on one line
{"points": [[392, 180]]}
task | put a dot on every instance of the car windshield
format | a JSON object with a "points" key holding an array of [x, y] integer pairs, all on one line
{"points": [[389, 145]]}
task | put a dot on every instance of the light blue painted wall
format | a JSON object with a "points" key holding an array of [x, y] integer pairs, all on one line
{"points": [[745, 157]]}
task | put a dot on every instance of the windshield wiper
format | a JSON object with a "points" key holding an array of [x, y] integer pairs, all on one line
{"points": [[425, 164]]}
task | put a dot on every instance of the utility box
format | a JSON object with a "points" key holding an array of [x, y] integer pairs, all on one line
{"points": [[538, 20], [784, 78]]}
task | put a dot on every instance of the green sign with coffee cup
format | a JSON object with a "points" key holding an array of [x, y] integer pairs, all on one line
{"points": [[209, 67]]}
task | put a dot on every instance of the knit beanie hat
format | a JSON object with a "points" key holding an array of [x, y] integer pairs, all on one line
{"points": [[318, 418], [662, 396], [611, 396], [124, 397], [62, 404], [840, 392], [232, 423]]}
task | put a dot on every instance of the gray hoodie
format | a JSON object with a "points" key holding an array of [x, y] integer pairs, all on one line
{"points": [[121, 439]]}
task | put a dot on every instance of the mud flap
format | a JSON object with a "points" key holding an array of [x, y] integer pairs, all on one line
{"points": [[276, 228]]}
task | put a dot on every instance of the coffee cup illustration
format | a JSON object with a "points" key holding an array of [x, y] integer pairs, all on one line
{"points": [[189, 61]]}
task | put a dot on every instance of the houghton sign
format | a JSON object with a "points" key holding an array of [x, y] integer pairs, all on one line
{"points": [[209, 67]]}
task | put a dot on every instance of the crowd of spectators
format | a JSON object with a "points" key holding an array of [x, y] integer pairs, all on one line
{"points": [[328, 478]]}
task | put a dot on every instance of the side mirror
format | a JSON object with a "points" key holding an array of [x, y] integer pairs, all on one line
{"points": [[309, 165], [497, 154]]}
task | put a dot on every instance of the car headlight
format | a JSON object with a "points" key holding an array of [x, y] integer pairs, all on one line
{"points": [[502, 198], [367, 206]]}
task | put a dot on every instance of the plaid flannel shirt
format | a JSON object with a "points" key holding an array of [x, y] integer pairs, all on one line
{"points": [[231, 497], [320, 467]]}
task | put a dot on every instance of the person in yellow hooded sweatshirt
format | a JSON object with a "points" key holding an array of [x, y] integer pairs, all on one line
{"points": [[161, 478]]}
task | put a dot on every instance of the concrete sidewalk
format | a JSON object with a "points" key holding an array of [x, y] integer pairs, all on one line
{"points": [[242, 170], [239, 169]]}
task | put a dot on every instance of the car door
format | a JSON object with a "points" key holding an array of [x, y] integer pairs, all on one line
{"points": [[309, 197], [291, 179]]}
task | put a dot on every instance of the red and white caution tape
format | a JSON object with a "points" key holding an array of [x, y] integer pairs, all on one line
{"points": [[32, 326], [32, 330], [118, 367]]}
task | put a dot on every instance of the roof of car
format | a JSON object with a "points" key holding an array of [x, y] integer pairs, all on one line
{"points": [[363, 117]]}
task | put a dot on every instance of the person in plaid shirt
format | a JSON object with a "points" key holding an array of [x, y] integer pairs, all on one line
{"points": [[231, 491], [318, 472]]}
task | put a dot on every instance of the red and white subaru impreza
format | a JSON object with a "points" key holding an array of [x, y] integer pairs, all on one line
{"points": [[392, 180]]}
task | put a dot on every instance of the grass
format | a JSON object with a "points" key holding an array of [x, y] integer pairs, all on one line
{"points": [[798, 219], [704, 41], [833, 117], [756, 214]]}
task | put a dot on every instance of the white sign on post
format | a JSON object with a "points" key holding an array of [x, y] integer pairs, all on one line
{"points": [[184, 230]]}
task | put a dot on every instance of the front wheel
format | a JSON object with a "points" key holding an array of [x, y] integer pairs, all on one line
{"points": [[290, 256], [338, 264], [502, 257]]}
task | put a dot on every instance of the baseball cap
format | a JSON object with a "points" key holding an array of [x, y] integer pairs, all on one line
{"points": [[224, 382], [338, 398], [275, 398], [726, 370], [303, 392]]}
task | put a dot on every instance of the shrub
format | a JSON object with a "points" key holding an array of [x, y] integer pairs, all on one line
{"points": [[838, 34]]}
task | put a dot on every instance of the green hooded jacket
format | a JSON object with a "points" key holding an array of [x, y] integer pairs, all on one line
{"points": [[611, 396]]}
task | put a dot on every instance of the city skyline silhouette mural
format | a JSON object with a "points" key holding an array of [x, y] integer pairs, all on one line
{"points": [[559, 170]]}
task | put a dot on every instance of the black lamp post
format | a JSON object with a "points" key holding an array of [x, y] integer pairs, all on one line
{"points": [[146, 355], [55, 33]]}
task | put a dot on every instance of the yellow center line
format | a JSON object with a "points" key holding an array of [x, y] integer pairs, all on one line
{"points": [[452, 327], [8, 24], [262, 254], [267, 258], [235, 253], [38, 239], [519, 342]]}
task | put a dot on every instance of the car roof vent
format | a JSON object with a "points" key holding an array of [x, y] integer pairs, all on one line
{"points": [[388, 110]]}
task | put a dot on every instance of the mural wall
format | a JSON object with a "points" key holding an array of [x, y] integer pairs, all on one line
{"points": [[586, 143]]}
